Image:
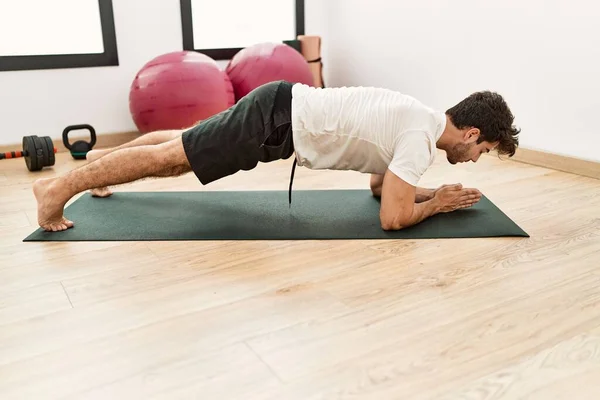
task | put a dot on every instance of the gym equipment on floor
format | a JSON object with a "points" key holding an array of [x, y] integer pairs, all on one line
{"points": [[80, 148], [38, 152]]}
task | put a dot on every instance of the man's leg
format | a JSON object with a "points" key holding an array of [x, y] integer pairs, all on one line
{"points": [[120, 166], [147, 139], [157, 137]]}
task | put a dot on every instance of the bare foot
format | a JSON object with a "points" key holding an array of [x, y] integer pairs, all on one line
{"points": [[50, 206], [92, 156]]}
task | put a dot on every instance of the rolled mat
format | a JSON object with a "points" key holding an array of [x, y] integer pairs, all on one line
{"points": [[311, 50], [261, 215]]}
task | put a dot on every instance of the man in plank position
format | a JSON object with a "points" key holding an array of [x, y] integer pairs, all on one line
{"points": [[390, 135]]}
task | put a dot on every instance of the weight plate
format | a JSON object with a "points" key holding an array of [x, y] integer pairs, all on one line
{"points": [[39, 152], [50, 147], [29, 150], [44, 152]]}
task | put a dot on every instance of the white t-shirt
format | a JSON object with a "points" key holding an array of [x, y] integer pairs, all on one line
{"points": [[364, 129]]}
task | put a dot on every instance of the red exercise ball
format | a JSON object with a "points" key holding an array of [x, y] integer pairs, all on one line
{"points": [[266, 62], [177, 90]]}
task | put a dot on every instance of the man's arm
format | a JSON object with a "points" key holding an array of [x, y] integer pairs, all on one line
{"points": [[421, 194], [376, 184], [398, 207], [399, 210]]}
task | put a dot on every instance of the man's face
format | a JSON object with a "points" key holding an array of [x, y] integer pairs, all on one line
{"points": [[470, 151]]}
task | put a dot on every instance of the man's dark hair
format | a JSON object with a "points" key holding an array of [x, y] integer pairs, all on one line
{"points": [[488, 112]]}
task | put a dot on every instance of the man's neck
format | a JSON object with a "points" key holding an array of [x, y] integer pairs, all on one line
{"points": [[444, 142]]}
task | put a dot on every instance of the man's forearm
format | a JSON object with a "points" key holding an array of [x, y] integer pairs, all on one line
{"points": [[421, 194], [420, 212]]}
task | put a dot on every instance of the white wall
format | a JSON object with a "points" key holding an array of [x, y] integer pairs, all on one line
{"points": [[44, 102], [542, 55]]}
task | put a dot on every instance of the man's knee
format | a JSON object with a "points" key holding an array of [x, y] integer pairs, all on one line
{"points": [[170, 134], [176, 134], [172, 170], [177, 170], [171, 158]]}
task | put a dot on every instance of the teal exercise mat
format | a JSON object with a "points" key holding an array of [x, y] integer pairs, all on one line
{"points": [[261, 215]]}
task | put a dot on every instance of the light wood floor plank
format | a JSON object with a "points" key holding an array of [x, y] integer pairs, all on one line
{"points": [[141, 368], [35, 302], [30, 262], [12, 220], [569, 369], [252, 265], [416, 308], [104, 352], [427, 349]]}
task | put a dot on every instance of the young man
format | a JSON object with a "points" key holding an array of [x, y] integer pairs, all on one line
{"points": [[378, 131]]}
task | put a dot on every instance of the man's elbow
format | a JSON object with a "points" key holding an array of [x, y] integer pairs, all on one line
{"points": [[376, 190], [392, 224]]}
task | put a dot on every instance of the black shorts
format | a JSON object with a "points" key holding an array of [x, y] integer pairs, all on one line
{"points": [[258, 128]]}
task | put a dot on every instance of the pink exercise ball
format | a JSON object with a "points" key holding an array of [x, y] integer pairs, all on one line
{"points": [[262, 63], [177, 90]]}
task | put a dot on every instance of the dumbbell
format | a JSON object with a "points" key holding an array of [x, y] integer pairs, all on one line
{"points": [[37, 151]]}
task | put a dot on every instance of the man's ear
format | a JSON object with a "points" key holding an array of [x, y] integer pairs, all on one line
{"points": [[471, 135]]}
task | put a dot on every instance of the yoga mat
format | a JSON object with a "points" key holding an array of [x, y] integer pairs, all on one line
{"points": [[261, 215]]}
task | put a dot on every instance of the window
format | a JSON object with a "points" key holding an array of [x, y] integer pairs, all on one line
{"points": [[45, 34], [220, 29]]}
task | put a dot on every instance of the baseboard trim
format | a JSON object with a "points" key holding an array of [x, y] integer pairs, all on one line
{"points": [[558, 162], [102, 141]]}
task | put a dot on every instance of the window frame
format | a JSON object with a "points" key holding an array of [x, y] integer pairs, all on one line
{"points": [[187, 26], [110, 57]]}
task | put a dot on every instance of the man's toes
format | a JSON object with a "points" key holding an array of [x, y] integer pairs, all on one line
{"points": [[58, 227], [101, 192]]}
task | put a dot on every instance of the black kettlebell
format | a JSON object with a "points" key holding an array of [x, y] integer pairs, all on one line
{"points": [[80, 148]]}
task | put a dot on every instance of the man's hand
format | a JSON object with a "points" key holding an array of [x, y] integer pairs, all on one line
{"points": [[454, 197], [441, 187]]}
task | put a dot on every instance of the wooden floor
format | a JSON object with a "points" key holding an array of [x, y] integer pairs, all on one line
{"points": [[497, 318]]}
